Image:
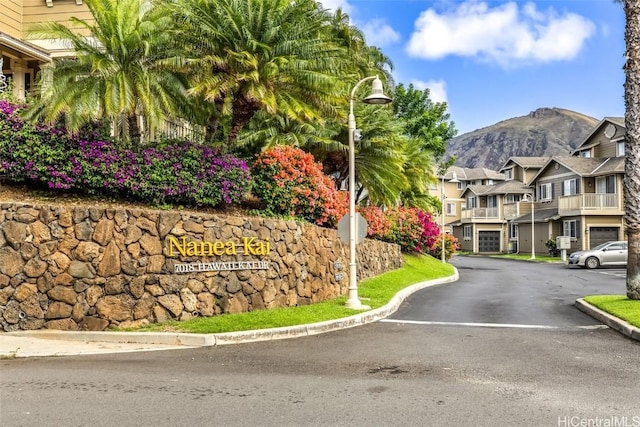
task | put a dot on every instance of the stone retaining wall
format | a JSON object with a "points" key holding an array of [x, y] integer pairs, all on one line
{"points": [[90, 268]]}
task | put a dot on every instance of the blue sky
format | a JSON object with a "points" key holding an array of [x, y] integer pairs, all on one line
{"points": [[493, 60]]}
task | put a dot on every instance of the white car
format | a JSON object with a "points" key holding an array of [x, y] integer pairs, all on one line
{"points": [[608, 253]]}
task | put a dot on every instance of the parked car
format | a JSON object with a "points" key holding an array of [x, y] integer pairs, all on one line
{"points": [[608, 253]]}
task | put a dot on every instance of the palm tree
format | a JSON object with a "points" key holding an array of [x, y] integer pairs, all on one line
{"points": [[116, 74], [632, 145], [380, 156], [247, 56], [265, 130]]}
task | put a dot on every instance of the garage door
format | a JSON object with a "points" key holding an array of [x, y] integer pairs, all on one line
{"points": [[599, 235], [489, 241]]}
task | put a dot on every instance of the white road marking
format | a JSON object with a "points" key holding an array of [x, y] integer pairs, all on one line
{"points": [[485, 325], [615, 274]]}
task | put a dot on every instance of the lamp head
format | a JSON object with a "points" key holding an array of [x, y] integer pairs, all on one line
{"points": [[454, 179], [377, 95]]}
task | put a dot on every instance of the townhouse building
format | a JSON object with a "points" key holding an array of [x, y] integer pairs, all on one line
{"points": [[484, 225], [21, 58], [541, 198], [451, 188]]}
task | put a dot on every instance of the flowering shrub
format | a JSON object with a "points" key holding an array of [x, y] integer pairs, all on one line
{"points": [[378, 223], [290, 182], [34, 151], [413, 229], [450, 246], [170, 172]]}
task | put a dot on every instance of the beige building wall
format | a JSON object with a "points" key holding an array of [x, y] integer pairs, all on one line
{"points": [[23, 57], [60, 11], [11, 17]]}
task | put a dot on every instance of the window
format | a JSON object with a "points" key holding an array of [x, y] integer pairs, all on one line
{"points": [[513, 230], [571, 228], [546, 192], [466, 232], [570, 187], [512, 198], [471, 203], [620, 149], [492, 201], [586, 153], [489, 182], [606, 184], [508, 174], [451, 209], [462, 185]]}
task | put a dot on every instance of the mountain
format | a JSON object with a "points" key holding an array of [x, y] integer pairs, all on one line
{"points": [[543, 132]]}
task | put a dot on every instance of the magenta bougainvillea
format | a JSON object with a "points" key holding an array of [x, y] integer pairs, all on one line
{"points": [[413, 229], [168, 172]]}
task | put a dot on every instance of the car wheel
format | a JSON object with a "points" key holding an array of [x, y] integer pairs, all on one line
{"points": [[592, 262]]}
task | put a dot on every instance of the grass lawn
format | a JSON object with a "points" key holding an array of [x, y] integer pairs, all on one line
{"points": [[617, 305], [374, 292], [527, 257]]}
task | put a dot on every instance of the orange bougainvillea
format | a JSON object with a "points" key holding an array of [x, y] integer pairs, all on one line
{"points": [[289, 182]]}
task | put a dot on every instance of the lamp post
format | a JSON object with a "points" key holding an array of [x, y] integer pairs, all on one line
{"points": [[454, 179], [529, 198], [376, 97]]}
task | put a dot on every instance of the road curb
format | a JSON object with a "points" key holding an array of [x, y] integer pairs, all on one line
{"points": [[209, 340], [613, 322]]}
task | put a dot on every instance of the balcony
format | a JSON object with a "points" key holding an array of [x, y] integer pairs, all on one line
{"points": [[585, 204], [481, 213]]}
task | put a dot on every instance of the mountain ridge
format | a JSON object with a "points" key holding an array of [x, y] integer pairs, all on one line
{"points": [[546, 131]]}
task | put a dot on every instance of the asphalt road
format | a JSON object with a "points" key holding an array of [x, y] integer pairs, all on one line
{"points": [[382, 374], [506, 292]]}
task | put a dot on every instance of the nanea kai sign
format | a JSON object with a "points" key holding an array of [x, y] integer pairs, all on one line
{"points": [[249, 246]]}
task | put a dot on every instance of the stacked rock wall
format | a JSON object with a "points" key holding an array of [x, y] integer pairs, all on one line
{"points": [[90, 268]]}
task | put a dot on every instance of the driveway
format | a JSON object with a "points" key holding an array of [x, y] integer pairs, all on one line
{"points": [[511, 293], [379, 374]]}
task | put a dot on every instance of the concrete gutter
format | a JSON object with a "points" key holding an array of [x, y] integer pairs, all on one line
{"points": [[207, 340], [613, 322]]}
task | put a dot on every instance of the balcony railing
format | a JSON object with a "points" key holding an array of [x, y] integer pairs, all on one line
{"points": [[481, 213], [589, 202]]}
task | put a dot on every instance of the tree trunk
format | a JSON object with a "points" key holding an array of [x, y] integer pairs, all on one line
{"points": [[632, 145], [134, 129], [212, 128], [214, 121], [243, 111]]}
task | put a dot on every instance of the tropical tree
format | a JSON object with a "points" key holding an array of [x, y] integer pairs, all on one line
{"points": [[265, 130], [380, 157], [424, 119], [260, 55], [632, 145], [116, 74]]}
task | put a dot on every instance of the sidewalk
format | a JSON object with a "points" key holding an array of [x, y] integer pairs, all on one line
{"points": [[64, 343]]}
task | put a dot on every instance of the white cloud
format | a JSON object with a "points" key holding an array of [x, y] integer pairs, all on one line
{"points": [[505, 34], [437, 89], [379, 33], [335, 4]]}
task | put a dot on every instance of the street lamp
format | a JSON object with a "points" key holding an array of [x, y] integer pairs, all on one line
{"points": [[376, 97], [529, 198], [454, 180]]}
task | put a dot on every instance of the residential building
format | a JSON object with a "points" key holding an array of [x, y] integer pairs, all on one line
{"points": [[456, 181], [578, 195], [22, 59]]}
